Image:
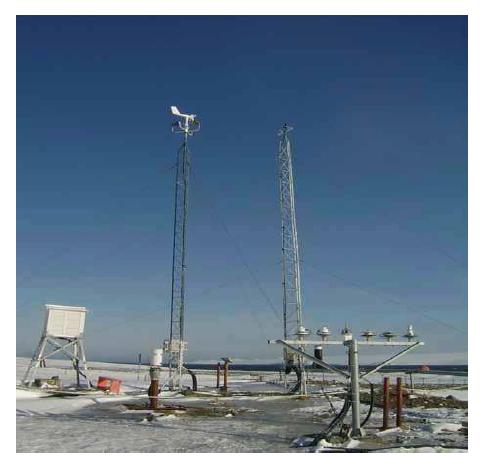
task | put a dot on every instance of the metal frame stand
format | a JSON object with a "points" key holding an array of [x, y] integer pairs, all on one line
{"points": [[60, 345], [175, 348], [352, 374]]}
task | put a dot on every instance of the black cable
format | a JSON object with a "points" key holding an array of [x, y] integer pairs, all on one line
{"points": [[110, 252], [316, 438], [193, 377], [240, 253], [389, 299], [433, 246], [340, 417], [141, 316], [372, 403]]}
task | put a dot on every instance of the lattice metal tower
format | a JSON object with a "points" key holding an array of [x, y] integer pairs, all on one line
{"points": [[292, 308], [292, 305], [187, 125]]}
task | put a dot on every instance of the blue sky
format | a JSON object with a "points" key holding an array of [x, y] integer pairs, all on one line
{"points": [[379, 109]]}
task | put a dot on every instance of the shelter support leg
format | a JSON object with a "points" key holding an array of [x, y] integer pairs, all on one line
{"points": [[84, 361], [35, 362], [76, 363]]}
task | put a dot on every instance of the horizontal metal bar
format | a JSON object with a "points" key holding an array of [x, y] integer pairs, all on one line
{"points": [[308, 342], [341, 342], [312, 358], [388, 344]]}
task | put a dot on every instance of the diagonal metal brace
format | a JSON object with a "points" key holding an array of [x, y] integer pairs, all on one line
{"points": [[393, 358], [61, 348], [313, 359]]}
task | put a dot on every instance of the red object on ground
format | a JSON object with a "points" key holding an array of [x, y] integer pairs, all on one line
{"points": [[112, 385]]}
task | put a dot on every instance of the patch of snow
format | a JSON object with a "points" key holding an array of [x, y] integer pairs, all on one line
{"points": [[424, 449], [170, 417], [440, 428], [394, 430], [323, 445], [461, 395], [30, 394], [353, 443], [103, 424]]}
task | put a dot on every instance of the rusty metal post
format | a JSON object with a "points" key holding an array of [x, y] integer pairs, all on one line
{"points": [[153, 391], [225, 388], [386, 402], [218, 374], [153, 394], [399, 401]]}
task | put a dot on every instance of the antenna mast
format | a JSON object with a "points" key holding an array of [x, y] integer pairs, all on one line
{"points": [[187, 125], [292, 306]]}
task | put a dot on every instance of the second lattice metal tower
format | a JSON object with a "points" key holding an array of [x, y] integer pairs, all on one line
{"points": [[292, 306]]}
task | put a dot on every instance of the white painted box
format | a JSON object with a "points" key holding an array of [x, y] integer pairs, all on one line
{"points": [[64, 321]]}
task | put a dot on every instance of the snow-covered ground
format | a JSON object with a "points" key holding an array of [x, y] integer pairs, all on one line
{"points": [[106, 423], [460, 394]]}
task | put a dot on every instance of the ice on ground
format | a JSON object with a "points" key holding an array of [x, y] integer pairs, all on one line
{"points": [[394, 430], [423, 449], [461, 395], [317, 410], [106, 423], [27, 394], [439, 428]]}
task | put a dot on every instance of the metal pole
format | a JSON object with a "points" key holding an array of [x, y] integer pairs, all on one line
{"points": [[225, 388], [218, 374], [399, 401], [76, 363], [180, 365], [355, 387], [153, 391], [84, 361], [139, 358], [386, 402], [301, 365], [153, 394]]}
